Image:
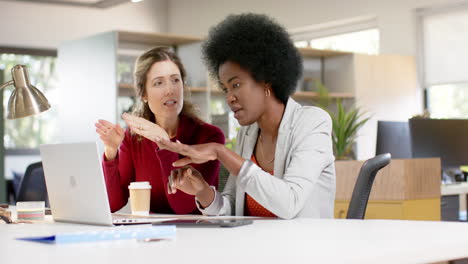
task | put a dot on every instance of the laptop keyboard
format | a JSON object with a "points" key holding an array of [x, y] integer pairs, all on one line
{"points": [[135, 219]]}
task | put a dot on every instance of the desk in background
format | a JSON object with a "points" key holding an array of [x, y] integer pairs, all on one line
{"points": [[454, 200], [405, 189]]}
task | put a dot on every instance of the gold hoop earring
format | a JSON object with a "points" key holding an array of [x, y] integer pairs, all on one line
{"points": [[267, 93]]}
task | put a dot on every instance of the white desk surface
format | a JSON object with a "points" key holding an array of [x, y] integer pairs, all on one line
{"points": [[454, 189], [265, 241]]}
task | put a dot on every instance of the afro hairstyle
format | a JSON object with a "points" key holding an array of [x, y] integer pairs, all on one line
{"points": [[259, 45]]}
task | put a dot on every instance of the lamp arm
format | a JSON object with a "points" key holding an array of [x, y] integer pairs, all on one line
{"points": [[6, 84]]}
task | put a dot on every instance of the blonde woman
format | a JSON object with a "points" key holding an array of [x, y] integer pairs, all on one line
{"points": [[129, 157]]}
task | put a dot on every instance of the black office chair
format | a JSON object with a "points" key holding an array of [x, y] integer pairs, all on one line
{"points": [[33, 186], [363, 186]]}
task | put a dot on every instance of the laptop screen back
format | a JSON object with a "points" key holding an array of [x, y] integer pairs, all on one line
{"points": [[75, 183]]}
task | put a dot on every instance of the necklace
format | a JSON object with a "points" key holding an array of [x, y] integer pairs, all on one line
{"points": [[261, 150]]}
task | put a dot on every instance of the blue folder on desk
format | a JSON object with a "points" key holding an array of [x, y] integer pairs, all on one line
{"points": [[116, 233]]}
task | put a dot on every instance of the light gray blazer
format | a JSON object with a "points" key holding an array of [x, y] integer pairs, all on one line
{"points": [[304, 182]]}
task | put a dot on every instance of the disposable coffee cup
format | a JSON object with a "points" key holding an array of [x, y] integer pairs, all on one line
{"points": [[140, 196]]}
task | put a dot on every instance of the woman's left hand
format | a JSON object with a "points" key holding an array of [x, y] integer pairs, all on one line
{"points": [[197, 154], [145, 128]]}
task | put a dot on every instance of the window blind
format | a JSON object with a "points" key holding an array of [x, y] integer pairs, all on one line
{"points": [[445, 46]]}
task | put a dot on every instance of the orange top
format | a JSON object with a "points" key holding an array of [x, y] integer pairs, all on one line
{"points": [[251, 207]]}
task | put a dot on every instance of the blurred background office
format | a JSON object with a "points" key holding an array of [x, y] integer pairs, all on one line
{"points": [[399, 58]]}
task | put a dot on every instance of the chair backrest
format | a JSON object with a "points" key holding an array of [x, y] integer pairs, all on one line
{"points": [[394, 137], [363, 186], [33, 186]]}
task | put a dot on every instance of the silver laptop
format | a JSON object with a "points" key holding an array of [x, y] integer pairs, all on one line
{"points": [[76, 187]]}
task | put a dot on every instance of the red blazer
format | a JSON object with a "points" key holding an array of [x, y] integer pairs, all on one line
{"points": [[143, 161]]}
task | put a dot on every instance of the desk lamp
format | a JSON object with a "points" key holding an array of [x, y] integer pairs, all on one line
{"points": [[26, 99]]}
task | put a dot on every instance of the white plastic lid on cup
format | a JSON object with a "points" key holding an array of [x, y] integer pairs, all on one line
{"points": [[139, 185]]}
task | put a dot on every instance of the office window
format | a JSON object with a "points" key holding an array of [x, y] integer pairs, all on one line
{"points": [[30, 132], [358, 34], [448, 100], [301, 44], [366, 41], [444, 60]]}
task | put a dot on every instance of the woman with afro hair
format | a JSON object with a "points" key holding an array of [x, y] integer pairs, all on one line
{"points": [[284, 164]]}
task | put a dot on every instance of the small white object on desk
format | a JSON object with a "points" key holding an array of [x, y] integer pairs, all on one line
{"points": [[30, 210]]}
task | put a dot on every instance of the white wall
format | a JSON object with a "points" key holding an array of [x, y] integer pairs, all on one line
{"points": [[394, 17], [46, 25]]}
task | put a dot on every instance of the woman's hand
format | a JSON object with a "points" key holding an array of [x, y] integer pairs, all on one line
{"points": [[111, 135], [145, 128], [190, 181], [186, 179], [197, 154]]}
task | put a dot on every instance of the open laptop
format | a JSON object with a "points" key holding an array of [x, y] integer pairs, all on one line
{"points": [[76, 187]]}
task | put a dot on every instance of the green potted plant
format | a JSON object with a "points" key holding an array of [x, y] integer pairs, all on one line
{"points": [[346, 123]]}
